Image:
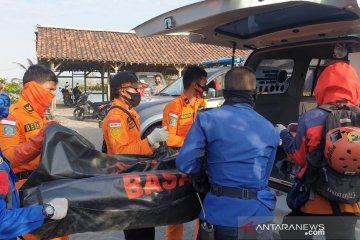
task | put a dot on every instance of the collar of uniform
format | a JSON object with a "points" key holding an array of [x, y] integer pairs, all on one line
{"points": [[117, 102], [247, 105], [184, 99], [25, 105]]}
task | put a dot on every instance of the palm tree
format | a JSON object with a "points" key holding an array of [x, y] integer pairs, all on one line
{"points": [[23, 66]]}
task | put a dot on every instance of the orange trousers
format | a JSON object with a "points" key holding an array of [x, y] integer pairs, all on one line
{"points": [[30, 236], [175, 232]]}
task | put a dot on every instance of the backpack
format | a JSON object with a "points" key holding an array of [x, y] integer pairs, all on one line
{"points": [[321, 176], [104, 146]]}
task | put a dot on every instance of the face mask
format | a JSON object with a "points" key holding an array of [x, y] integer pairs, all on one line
{"points": [[134, 100], [38, 97], [202, 90], [4, 105]]}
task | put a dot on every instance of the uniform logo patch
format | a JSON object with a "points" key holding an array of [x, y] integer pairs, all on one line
{"points": [[172, 122], [185, 116], [115, 132], [9, 130], [1, 160], [32, 126], [130, 123], [28, 107]]}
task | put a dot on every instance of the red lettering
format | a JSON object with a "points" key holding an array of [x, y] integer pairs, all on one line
{"points": [[184, 178], [152, 184], [170, 181], [132, 186]]}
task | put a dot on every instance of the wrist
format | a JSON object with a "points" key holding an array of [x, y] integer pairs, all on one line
{"points": [[48, 211]]}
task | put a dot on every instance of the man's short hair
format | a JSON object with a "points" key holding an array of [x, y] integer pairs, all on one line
{"points": [[40, 74], [240, 78], [157, 75], [193, 74], [2, 81]]}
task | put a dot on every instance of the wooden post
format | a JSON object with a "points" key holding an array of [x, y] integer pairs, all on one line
{"points": [[108, 85], [52, 107], [85, 81], [179, 69], [102, 84], [72, 79]]}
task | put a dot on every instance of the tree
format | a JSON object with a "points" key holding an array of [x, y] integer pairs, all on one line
{"points": [[23, 66], [13, 89]]}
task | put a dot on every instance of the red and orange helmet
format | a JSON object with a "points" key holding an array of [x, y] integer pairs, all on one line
{"points": [[342, 149]]}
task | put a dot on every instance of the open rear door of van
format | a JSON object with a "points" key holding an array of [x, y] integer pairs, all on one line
{"points": [[258, 24]]}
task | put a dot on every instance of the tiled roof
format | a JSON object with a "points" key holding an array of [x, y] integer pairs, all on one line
{"points": [[62, 44]]}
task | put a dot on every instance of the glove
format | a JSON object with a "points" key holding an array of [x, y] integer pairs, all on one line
{"points": [[279, 128], [27, 151], [158, 135], [61, 206]]}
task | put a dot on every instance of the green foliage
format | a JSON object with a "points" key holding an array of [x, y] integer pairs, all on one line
{"points": [[13, 89], [96, 87]]}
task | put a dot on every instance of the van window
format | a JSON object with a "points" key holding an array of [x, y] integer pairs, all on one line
{"points": [[315, 67], [216, 86], [273, 75], [284, 18]]}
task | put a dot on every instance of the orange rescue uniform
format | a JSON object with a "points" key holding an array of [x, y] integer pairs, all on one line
{"points": [[22, 123], [122, 134], [178, 116]]}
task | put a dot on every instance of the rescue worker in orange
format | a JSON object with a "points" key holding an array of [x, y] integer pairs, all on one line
{"points": [[338, 81], [121, 130], [22, 132], [178, 117]]}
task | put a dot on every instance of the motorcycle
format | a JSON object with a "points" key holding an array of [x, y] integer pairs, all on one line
{"points": [[67, 97], [87, 109]]}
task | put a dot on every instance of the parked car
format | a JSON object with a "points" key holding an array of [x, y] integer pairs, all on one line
{"points": [[149, 78], [151, 108], [298, 37]]}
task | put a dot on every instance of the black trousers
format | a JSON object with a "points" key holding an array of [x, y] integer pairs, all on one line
{"points": [[140, 234], [341, 226]]}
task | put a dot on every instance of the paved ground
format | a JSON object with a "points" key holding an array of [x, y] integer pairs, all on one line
{"points": [[90, 130]]}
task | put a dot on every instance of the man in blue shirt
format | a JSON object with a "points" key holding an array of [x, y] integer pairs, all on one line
{"points": [[15, 221], [240, 147]]}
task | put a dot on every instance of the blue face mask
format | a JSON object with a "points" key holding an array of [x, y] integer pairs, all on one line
{"points": [[4, 105]]}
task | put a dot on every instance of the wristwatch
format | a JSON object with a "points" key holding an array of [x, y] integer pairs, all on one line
{"points": [[48, 211]]}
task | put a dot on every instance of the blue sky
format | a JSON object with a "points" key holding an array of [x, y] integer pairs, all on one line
{"points": [[18, 19]]}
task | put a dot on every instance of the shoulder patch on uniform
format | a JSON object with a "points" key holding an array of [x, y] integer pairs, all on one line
{"points": [[114, 123], [172, 122], [4, 183], [28, 107], [9, 130], [116, 132], [1, 160], [32, 126], [8, 121]]}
